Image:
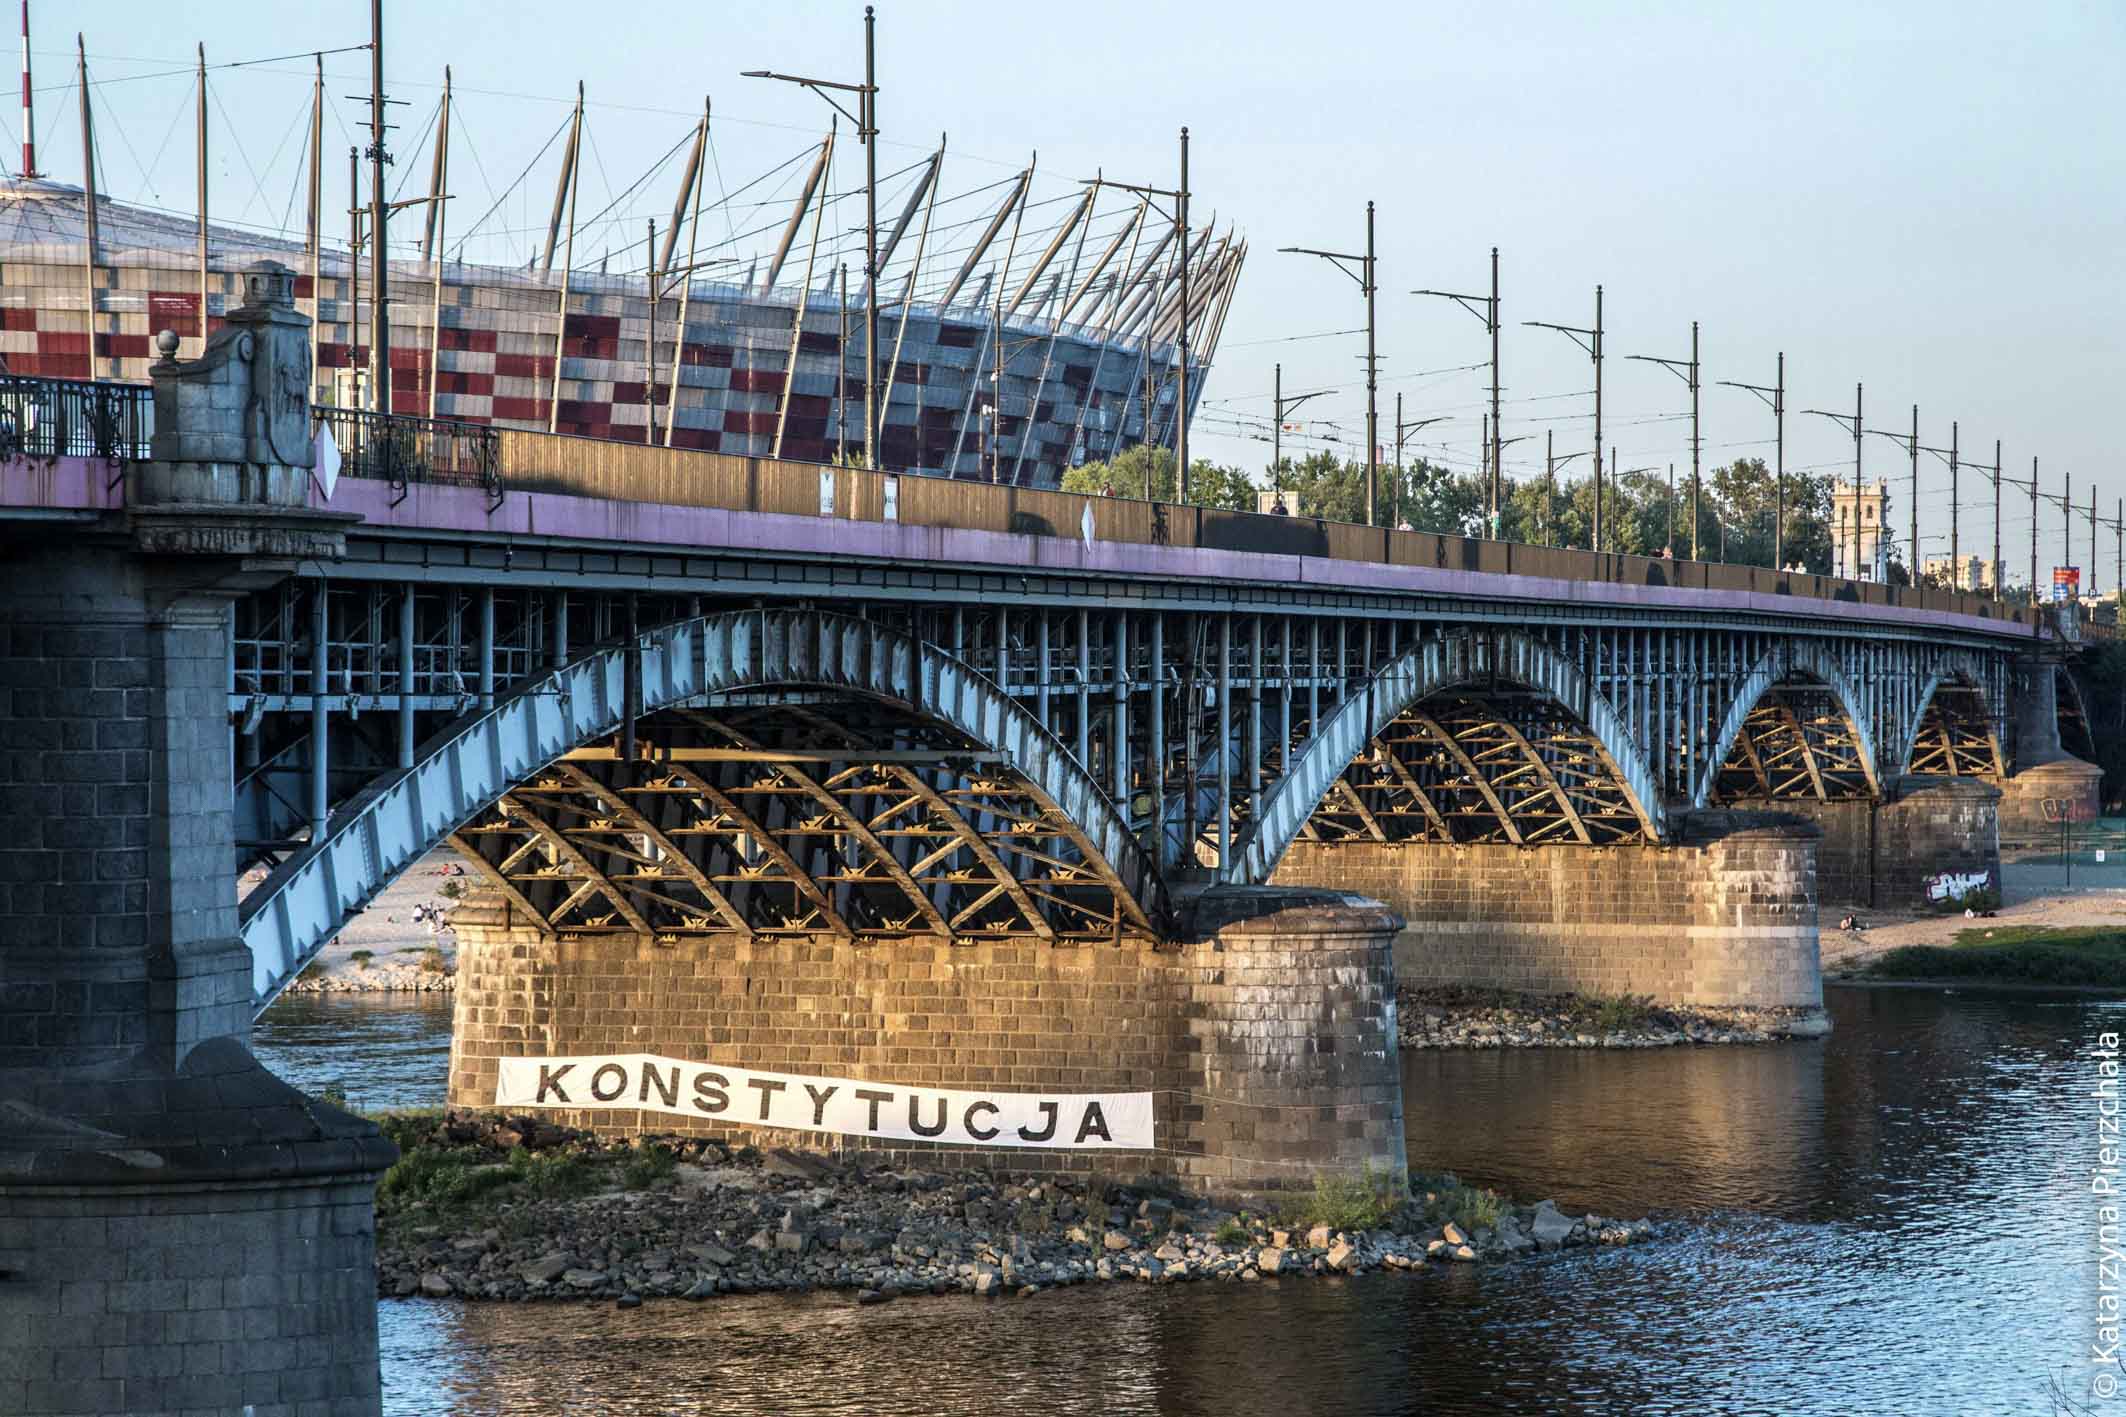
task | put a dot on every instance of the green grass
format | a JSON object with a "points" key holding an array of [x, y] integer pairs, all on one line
{"points": [[1618, 1013], [2020, 954], [1346, 1202]]}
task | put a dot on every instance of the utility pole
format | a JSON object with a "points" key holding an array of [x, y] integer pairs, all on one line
{"points": [[1486, 308], [1851, 421], [1181, 408], [1591, 341], [1363, 274], [202, 196], [1283, 405], [1687, 371], [379, 217], [1402, 433], [1911, 445], [866, 120], [88, 196], [1775, 396], [1953, 456], [841, 379]]}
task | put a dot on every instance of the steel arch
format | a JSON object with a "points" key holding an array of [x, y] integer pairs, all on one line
{"points": [[387, 826], [1783, 661], [1954, 668], [1425, 669]]}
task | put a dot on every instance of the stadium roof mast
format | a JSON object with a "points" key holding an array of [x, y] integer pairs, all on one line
{"points": [[866, 120]]}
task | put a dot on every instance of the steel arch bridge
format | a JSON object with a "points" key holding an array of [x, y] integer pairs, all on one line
{"points": [[893, 767]]}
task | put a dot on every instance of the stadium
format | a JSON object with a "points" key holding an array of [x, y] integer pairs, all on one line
{"points": [[745, 339]]}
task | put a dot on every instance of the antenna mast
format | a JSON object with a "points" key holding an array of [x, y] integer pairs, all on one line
{"points": [[29, 108]]}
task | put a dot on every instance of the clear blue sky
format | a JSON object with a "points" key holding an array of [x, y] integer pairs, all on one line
{"points": [[1924, 197]]}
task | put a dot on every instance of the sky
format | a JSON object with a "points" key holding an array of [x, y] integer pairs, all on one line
{"points": [[1922, 198]]}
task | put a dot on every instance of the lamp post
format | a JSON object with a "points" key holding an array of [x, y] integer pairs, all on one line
{"points": [[1687, 371], [866, 120], [1775, 397], [1485, 308], [1368, 286]]}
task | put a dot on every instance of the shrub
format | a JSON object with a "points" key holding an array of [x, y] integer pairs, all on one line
{"points": [[551, 1173], [452, 890], [651, 1165], [1231, 1232], [432, 961], [1618, 1013], [361, 958], [1342, 1201], [1474, 1208]]}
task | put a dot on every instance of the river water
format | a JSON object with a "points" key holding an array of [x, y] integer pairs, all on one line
{"points": [[1896, 1219]]}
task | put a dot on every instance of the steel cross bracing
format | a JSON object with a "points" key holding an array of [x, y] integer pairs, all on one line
{"points": [[1092, 745]]}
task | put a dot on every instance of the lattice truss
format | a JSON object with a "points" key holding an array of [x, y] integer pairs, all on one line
{"points": [[1955, 736], [1797, 742], [812, 819], [2075, 734], [1511, 766]]}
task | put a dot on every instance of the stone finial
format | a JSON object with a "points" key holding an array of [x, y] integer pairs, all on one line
{"points": [[268, 284], [166, 345]]}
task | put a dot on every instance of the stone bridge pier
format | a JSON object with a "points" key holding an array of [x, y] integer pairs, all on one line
{"points": [[179, 1230], [1263, 1026]]}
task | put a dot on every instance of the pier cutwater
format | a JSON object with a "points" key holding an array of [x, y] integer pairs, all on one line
{"points": [[849, 1106]]}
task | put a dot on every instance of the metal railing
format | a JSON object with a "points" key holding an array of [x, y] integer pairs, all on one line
{"points": [[402, 449], [74, 418]]}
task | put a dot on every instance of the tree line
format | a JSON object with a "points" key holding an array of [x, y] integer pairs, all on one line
{"points": [[1641, 513]]}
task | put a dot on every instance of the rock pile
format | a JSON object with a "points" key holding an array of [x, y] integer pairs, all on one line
{"points": [[748, 1222], [1487, 1018]]}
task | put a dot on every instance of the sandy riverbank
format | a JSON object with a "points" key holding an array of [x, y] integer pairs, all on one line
{"points": [[2035, 890]]}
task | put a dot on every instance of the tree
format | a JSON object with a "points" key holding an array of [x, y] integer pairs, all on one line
{"points": [[1210, 485]]}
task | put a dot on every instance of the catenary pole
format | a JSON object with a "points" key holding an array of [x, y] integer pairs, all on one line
{"points": [[202, 121], [379, 220]]}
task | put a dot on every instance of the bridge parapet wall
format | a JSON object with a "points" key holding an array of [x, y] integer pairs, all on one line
{"points": [[1268, 1040], [1725, 917]]}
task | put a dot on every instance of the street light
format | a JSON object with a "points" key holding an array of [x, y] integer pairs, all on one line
{"points": [[1551, 464], [1485, 308], [1367, 287], [1687, 371], [866, 120], [1775, 397]]}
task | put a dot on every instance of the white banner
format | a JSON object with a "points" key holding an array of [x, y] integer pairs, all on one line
{"points": [[1066, 1120]]}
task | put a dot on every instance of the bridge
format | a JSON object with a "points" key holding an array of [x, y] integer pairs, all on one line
{"points": [[828, 770]]}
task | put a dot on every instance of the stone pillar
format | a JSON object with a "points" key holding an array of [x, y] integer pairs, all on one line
{"points": [[1725, 916], [2049, 788], [179, 1230], [1931, 842], [1267, 1032]]}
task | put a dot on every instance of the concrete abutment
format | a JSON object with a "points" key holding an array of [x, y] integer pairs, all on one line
{"points": [[1267, 1033]]}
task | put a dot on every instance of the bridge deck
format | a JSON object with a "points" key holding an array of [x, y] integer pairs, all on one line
{"points": [[591, 491]]}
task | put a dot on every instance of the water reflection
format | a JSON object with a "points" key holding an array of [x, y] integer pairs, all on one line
{"points": [[1892, 1220]]}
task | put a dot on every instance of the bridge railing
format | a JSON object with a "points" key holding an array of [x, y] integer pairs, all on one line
{"points": [[633, 472], [74, 418], [401, 449]]}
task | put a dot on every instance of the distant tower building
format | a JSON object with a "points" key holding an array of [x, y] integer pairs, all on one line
{"points": [[1858, 517]]}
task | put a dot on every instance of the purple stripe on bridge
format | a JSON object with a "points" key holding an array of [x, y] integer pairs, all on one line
{"points": [[430, 507]]}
